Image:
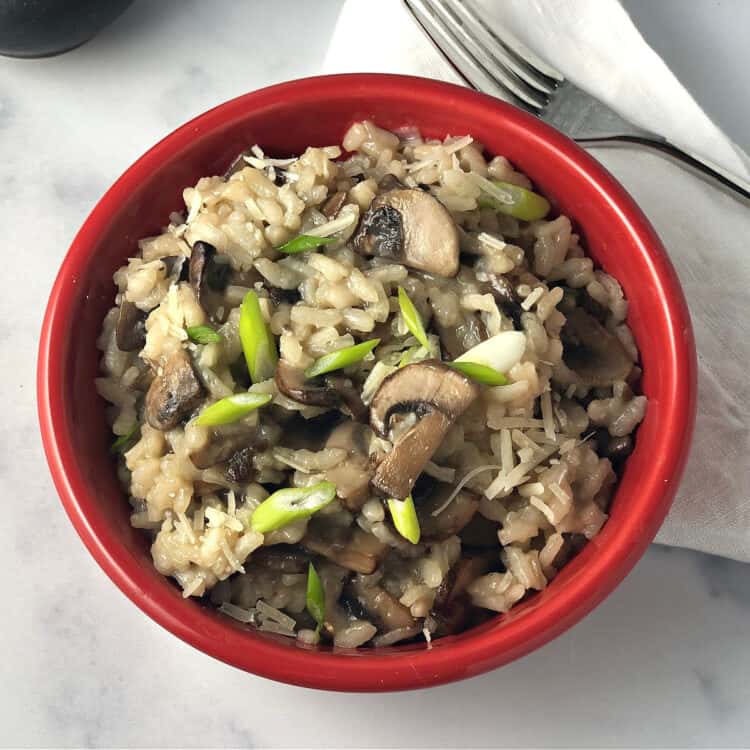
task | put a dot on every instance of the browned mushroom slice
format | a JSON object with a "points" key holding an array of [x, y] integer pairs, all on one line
{"points": [[450, 521], [397, 472], [438, 395], [333, 205], [456, 339], [413, 228], [592, 352], [387, 612], [423, 386], [130, 330], [291, 382], [352, 476], [225, 441], [240, 465], [349, 396], [199, 258], [238, 163], [351, 548], [506, 298], [452, 607], [174, 393]]}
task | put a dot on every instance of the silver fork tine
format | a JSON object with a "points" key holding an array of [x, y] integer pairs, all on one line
{"points": [[470, 69], [522, 54], [463, 60], [490, 62], [495, 48]]}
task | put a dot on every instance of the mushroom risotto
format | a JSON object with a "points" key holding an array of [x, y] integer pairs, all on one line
{"points": [[368, 394]]}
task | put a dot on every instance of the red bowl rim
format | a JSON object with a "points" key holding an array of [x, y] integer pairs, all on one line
{"points": [[396, 670]]}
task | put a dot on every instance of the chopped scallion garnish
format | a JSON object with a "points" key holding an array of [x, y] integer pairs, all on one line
{"points": [[203, 335], [257, 340], [341, 358], [304, 242]]}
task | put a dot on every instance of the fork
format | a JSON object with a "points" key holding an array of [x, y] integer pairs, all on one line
{"points": [[504, 67]]}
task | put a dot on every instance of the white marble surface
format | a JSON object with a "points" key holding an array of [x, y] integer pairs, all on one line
{"points": [[663, 662]]}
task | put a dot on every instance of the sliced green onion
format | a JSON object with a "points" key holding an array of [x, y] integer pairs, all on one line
{"points": [[501, 352], [315, 600], [293, 504], [339, 359], [257, 341], [521, 203], [405, 519], [412, 318], [123, 441], [203, 335], [304, 242], [480, 373], [232, 408]]}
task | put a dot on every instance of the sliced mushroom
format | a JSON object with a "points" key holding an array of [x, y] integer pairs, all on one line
{"points": [[130, 330], [438, 395], [352, 476], [595, 355], [224, 442], [199, 258], [457, 339], [351, 548], [412, 227], [332, 206], [291, 382], [174, 393], [238, 163], [240, 465], [349, 396], [398, 470], [506, 298], [450, 521], [452, 606], [421, 387], [387, 612], [335, 390]]}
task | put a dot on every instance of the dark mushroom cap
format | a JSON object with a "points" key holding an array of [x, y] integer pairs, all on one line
{"points": [[421, 387], [387, 612], [398, 470], [291, 382], [412, 227], [174, 393], [352, 476], [453, 519], [351, 548], [438, 395], [130, 330], [595, 355]]}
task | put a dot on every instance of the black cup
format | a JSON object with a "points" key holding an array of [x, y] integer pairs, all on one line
{"points": [[40, 28]]}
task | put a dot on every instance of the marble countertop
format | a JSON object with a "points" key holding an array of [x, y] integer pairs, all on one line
{"points": [[663, 662]]}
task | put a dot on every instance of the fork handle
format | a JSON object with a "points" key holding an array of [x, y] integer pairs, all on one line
{"points": [[700, 164]]}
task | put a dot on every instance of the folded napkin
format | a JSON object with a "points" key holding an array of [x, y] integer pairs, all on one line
{"points": [[707, 233]]}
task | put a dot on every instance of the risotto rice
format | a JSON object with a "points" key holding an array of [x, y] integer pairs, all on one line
{"points": [[439, 475]]}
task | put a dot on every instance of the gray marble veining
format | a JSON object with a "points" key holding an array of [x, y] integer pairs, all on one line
{"points": [[663, 662]]}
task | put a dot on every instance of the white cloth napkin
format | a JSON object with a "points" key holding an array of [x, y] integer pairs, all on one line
{"points": [[707, 233]]}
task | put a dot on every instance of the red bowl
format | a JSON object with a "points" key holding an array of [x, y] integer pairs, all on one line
{"points": [[285, 119]]}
